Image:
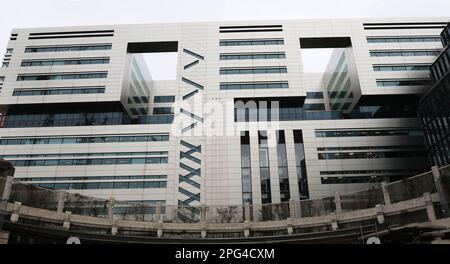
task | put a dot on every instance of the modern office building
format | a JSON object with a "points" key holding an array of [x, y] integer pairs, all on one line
{"points": [[242, 121], [434, 108]]}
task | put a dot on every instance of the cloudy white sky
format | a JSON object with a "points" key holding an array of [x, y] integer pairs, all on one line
{"points": [[41, 13]]}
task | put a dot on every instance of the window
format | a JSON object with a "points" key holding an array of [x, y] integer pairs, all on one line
{"points": [[5, 64], [251, 42], [354, 179], [9, 51], [371, 155], [252, 56], [246, 170], [253, 85], [258, 70], [96, 154], [403, 82], [162, 110], [56, 62], [402, 147], [266, 195], [80, 183], [391, 171], [62, 76], [283, 174], [67, 48], [346, 106], [164, 99], [397, 53], [314, 95], [405, 67], [368, 133], [397, 39], [314, 107], [59, 91], [85, 161], [83, 139], [300, 162]]}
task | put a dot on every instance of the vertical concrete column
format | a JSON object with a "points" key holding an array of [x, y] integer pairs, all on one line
{"points": [[169, 212], [6, 192], [246, 228], [380, 213], [159, 227], [442, 195], [337, 201], [158, 212], [61, 200], [114, 227], [430, 208], [334, 225], [203, 220], [290, 226], [111, 203], [203, 214], [292, 209], [334, 221], [203, 231], [386, 196], [16, 212], [66, 224], [257, 212], [247, 216]]}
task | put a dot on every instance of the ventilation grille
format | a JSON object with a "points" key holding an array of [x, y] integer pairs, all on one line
{"points": [[72, 34], [406, 25], [257, 28]]}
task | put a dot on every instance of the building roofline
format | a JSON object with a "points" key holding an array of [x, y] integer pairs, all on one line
{"points": [[361, 20]]}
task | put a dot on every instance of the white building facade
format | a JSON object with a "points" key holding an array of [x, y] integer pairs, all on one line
{"points": [[80, 111]]}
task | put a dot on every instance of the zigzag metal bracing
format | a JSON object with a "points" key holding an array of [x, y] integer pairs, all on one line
{"points": [[191, 171]]}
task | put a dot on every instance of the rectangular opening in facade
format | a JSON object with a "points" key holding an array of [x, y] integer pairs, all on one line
{"points": [[160, 57], [264, 167], [300, 163], [246, 168]]}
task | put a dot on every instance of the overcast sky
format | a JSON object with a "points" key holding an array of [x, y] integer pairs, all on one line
{"points": [[41, 13]]}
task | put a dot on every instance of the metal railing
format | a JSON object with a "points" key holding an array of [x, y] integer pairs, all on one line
{"points": [[411, 187], [378, 194]]}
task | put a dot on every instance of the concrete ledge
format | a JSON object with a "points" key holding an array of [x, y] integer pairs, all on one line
{"points": [[333, 219], [4, 237], [445, 242]]}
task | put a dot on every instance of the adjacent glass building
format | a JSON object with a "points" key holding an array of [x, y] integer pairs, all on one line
{"points": [[434, 109]]}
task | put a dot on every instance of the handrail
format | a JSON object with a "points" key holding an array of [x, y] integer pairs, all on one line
{"points": [[60, 200], [378, 214]]}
